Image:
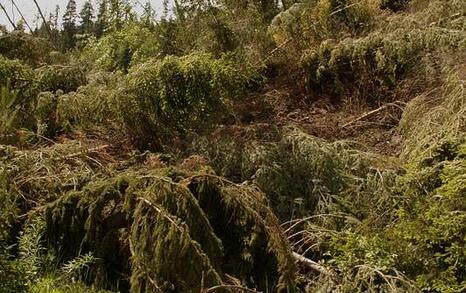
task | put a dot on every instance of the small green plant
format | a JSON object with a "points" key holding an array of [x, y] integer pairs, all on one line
{"points": [[32, 249], [78, 268], [12, 278], [8, 111], [45, 114]]}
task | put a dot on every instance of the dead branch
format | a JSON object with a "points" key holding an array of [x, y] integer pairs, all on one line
{"points": [[311, 264], [395, 104], [212, 289], [8, 16], [88, 151]]}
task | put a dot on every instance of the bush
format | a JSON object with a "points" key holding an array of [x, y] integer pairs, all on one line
{"points": [[301, 174], [236, 151], [374, 65], [119, 50], [21, 78], [149, 227], [304, 175], [304, 26], [424, 242], [93, 106], [160, 100], [439, 259], [52, 78], [45, 114], [8, 112], [169, 97], [139, 222], [25, 47], [18, 94]]}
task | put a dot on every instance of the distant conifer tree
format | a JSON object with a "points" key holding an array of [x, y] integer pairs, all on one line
{"points": [[69, 25], [87, 18]]}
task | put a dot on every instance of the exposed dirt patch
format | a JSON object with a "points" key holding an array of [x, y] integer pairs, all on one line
{"points": [[281, 104]]}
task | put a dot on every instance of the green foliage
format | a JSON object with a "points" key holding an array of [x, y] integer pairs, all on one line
{"points": [[374, 65], [435, 148], [179, 94], [304, 175], [365, 264], [78, 268], [82, 209], [304, 26], [8, 111], [180, 237], [45, 112], [402, 47], [245, 211], [52, 78], [31, 249], [56, 285], [235, 152], [441, 130], [29, 49], [439, 259], [159, 100], [20, 76], [11, 277], [171, 225], [120, 49], [223, 27], [424, 239], [18, 94], [27, 174], [92, 106], [101, 217]]}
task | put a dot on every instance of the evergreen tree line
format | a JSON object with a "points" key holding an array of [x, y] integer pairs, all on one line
{"points": [[90, 20], [109, 15]]}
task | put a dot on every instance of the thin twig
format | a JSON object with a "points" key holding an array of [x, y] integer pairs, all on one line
{"points": [[91, 150], [8, 16], [395, 104], [212, 289], [311, 264]]}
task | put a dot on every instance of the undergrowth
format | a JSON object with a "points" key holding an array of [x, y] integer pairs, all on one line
{"points": [[142, 160]]}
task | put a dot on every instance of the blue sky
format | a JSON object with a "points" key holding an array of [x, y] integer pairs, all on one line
{"points": [[29, 10]]}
